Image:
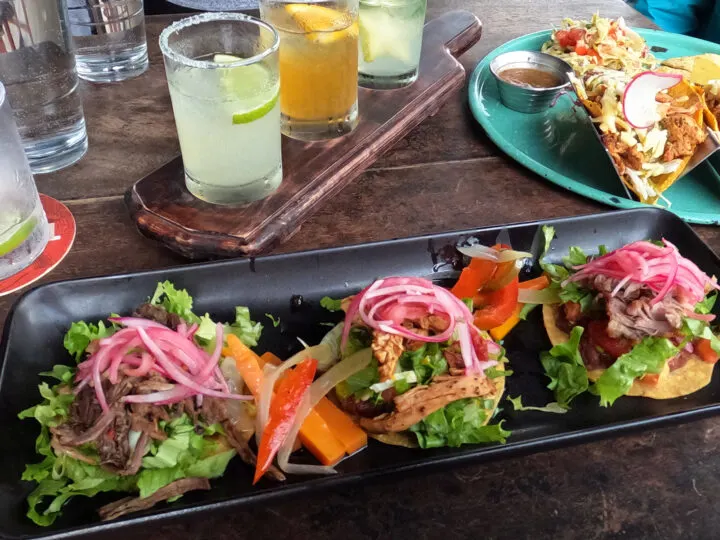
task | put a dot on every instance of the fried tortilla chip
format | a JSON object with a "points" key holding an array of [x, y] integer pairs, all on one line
{"points": [[690, 378], [700, 69]]}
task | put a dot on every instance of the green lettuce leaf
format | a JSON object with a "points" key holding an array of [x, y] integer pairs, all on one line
{"points": [[552, 407], [427, 362], [177, 301], [648, 356], [460, 422], [80, 334], [247, 330], [525, 311], [274, 320], [494, 373], [331, 304], [566, 370], [575, 257], [359, 338]]}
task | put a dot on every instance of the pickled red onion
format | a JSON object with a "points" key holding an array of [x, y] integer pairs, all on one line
{"points": [[661, 269], [387, 303], [146, 347]]}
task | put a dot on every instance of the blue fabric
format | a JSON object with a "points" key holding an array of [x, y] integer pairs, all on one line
{"points": [[699, 18]]}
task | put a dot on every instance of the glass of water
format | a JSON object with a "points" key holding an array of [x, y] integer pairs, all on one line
{"points": [[109, 39], [37, 67], [222, 70], [24, 229], [391, 33]]}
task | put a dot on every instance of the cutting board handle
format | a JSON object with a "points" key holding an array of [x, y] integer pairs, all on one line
{"points": [[457, 30]]}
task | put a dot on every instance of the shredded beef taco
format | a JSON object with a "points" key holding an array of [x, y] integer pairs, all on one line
{"points": [[434, 379], [634, 321]]}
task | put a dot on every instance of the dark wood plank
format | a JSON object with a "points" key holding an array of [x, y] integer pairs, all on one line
{"points": [[312, 172]]}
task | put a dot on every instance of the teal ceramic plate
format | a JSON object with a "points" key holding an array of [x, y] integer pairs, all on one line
{"points": [[560, 144]]}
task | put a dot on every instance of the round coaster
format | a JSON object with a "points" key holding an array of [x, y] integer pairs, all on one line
{"points": [[62, 236]]}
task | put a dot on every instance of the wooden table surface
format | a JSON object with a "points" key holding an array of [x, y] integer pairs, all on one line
{"points": [[445, 175]]}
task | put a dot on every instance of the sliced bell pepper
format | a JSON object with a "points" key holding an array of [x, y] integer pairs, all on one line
{"points": [[477, 275], [247, 363], [269, 358], [289, 393], [352, 437], [705, 351], [317, 437], [495, 307], [503, 330]]}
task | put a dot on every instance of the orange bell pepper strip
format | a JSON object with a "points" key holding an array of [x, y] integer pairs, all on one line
{"points": [[495, 307], [283, 408], [705, 351], [476, 275], [269, 358], [352, 437], [503, 330], [247, 363], [317, 437], [651, 379]]}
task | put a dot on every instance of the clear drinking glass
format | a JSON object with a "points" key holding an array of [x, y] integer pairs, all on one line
{"points": [[24, 229], [222, 70], [318, 66], [37, 67], [391, 33], [109, 37]]}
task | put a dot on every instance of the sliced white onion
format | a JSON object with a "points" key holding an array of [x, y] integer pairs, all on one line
{"points": [[332, 340], [478, 251], [543, 296], [286, 448], [338, 373]]}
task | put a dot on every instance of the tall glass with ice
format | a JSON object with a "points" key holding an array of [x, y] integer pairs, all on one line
{"points": [[222, 71], [24, 228], [391, 33], [37, 67]]}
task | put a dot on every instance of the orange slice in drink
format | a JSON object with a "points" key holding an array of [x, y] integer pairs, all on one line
{"points": [[322, 24]]}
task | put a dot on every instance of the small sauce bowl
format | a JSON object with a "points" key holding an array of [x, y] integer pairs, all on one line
{"points": [[523, 97]]}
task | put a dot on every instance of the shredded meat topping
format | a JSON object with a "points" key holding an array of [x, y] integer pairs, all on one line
{"points": [[684, 135], [387, 349]]}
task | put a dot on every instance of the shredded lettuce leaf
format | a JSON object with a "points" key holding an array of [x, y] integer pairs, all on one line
{"points": [[177, 301], [427, 362], [525, 311], [552, 407], [460, 422], [274, 320], [331, 304], [575, 257], [648, 356], [247, 330], [80, 334], [566, 370]]}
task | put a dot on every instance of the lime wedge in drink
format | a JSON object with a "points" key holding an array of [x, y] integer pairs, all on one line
{"points": [[18, 237], [253, 86], [255, 114], [379, 37]]}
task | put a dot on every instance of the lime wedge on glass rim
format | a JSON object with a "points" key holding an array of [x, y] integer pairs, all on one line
{"points": [[253, 85], [18, 237]]}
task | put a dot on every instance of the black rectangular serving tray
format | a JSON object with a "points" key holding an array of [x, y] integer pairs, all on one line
{"points": [[33, 343]]}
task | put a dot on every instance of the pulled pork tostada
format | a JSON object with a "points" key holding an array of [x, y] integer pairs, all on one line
{"points": [[434, 380]]}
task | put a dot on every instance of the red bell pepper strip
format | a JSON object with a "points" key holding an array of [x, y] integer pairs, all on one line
{"points": [[289, 393], [495, 307], [477, 275], [705, 351]]}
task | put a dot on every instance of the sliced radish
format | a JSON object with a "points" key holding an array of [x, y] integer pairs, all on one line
{"points": [[639, 105]]}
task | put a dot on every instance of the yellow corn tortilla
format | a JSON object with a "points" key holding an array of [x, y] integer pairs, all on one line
{"points": [[698, 69], [408, 440], [690, 378]]}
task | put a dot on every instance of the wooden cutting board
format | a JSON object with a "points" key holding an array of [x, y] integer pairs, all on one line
{"points": [[164, 210]]}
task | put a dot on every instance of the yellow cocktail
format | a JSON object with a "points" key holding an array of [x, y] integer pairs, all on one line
{"points": [[318, 66]]}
